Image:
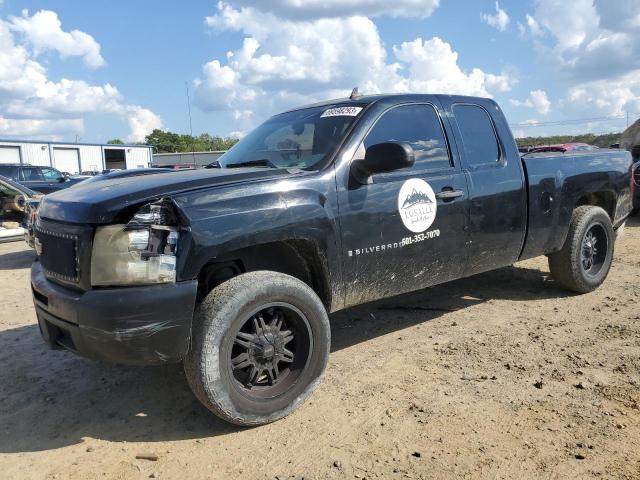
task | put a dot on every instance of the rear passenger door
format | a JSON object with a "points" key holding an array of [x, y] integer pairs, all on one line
{"points": [[497, 195], [404, 230]]}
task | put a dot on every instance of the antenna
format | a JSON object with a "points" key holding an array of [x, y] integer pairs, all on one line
{"points": [[186, 84], [354, 94]]}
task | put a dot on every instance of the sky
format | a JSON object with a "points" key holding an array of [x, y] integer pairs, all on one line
{"points": [[96, 70]]}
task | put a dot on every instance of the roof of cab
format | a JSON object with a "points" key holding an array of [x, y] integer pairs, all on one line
{"points": [[392, 97]]}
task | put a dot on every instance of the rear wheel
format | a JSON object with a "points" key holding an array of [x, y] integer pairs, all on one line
{"points": [[585, 259], [260, 344]]}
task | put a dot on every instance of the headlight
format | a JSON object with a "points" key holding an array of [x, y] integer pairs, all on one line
{"points": [[140, 252]]}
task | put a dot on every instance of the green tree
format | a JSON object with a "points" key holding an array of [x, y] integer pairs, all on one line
{"points": [[601, 141], [115, 141], [170, 142]]}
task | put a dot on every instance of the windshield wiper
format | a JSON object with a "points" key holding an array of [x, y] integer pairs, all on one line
{"points": [[263, 162]]}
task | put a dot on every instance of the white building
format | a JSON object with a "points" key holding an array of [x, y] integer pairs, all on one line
{"points": [[75, 157], [200, 159]]}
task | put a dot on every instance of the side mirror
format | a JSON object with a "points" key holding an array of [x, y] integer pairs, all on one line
{"points": [[384, 157], [62, 178]]}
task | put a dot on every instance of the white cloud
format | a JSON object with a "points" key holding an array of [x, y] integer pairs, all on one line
{"points": [[31, 104], [537, 100], [43, 32], [141, 122], [433, 68], [11, 127], [594, 39], [611, 97], [534, 26], [285, 62], [594, 46], [309, 9], [499, 20]]}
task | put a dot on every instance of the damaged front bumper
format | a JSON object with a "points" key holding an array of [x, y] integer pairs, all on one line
{"points": [[135, 325]]}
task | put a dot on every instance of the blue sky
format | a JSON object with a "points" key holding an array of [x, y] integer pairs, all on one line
{"points": [[99, 69]]}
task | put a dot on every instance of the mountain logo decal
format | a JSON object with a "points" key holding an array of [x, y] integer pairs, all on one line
{"points": [[416, 197], [417, 205]]}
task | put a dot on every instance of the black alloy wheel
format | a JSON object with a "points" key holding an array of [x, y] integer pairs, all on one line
{"points": [[270, 350], [594, 249]]}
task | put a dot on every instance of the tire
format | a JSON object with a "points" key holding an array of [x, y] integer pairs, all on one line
{"points": [[569, 265], [260, 315]]}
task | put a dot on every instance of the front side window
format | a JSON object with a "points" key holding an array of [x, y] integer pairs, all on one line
{"points": [[478, 135], [300, 139], [420, 127], [51, 174], [30, 174]]}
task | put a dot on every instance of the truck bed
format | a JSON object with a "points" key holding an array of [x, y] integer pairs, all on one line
{"points": [[559, 181]]}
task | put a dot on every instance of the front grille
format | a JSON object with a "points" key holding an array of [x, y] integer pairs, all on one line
{"points": [[58, 253]]}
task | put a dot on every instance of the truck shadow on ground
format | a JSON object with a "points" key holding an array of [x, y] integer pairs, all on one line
{"points": [[52, 399], [17, 260]]}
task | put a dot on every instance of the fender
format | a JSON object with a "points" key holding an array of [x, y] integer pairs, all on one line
{"points": [[225, 220]]}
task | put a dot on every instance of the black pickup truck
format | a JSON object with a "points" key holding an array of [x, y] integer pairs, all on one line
{"points": [[233, 270]]}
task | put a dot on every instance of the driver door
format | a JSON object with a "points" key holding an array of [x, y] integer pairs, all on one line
{"points": [[54, 179], [405, 229]]}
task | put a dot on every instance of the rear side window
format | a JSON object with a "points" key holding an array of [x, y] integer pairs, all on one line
{"points": [[30, 174], [478, 135], [418, 125]]}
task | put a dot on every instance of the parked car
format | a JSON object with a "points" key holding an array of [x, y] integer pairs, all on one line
{"points": [[564, 147], [13, 204], [37, 178], [233, 270]]}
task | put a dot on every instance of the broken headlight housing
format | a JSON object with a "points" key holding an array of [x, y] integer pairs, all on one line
{"points": [[141, 252]]}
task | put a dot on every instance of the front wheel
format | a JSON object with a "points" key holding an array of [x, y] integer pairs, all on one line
{"points": [[585, 259], [260, 344]]}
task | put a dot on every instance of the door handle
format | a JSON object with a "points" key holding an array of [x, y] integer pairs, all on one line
{"points": [[449, 194]]}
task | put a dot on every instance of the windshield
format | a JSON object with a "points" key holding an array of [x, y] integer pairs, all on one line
{"points": [[300, 139]]}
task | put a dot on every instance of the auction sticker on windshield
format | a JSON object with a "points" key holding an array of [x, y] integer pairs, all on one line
{"points": [[341, 112], [417, 205]]}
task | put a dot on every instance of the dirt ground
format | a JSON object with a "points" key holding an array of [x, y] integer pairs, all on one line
{"points": [[501, 375]]}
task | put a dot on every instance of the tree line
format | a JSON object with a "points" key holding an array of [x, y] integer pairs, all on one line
{"points": [[601, 141], [170, 142]]}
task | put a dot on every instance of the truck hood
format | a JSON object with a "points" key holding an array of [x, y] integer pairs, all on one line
{"points": [[100, 202]]}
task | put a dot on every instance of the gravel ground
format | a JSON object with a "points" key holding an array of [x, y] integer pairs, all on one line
{"points": [[501, 375]]}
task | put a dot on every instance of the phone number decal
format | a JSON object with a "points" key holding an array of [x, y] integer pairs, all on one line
{"points": [[384, 247]]}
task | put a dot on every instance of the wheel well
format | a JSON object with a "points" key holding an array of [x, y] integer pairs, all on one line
{"points": [[605, 200], [299, 258]]}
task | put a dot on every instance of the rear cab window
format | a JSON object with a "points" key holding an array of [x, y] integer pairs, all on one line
{"points": [[418, 125], [480, 143]]}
